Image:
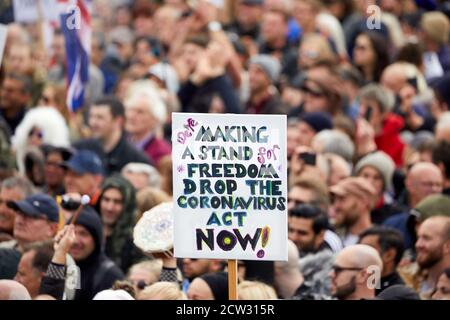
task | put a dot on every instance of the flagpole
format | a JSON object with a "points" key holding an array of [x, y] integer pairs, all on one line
{"points": [[40, 25]]}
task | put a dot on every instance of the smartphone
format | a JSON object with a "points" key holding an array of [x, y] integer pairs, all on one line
{"points": [[413, 82], [308, 158], [368, 114]]}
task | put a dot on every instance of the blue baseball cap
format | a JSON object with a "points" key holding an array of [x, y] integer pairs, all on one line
{"points": [[84, 161], [38, 205]]}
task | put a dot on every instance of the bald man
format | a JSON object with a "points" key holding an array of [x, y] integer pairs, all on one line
{"points": [[13, 290], [433, 250], [356, 273], [393, 77], [423, 179]]}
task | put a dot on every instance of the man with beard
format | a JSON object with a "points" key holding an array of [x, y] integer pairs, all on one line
{"points": [[117, 207], [307, 226], [353, 200], [355, 273], [433, 251]]}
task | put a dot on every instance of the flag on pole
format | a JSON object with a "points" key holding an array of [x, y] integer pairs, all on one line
{"points": [[76, 27]]}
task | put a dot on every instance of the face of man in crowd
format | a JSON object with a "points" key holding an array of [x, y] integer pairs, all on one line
{"points": [[84, 244], [273, 27], [303, 13], [27, 275], [19, 58], [12, 95], [343, 280], [81, 183], [53, 172], [199, 290], [58, 48], [30, 229], [298, 195], [101, 122], [293, 140], [111, 206], [423, 180], [306, 132], [442, 288], [301, 232], [139, 119], [346, 209], [432, 244], [195, 267], [258, 79], [248, 15], [7, 214], [191, 55], [374, 177], [315, 98]]}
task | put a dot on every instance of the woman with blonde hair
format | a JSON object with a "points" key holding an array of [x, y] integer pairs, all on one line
{"points": [[162, 291], [255, 290]]}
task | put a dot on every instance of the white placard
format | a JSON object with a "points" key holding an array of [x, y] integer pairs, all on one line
{"points": [[229, 186], [3, 35], [27, 11]]}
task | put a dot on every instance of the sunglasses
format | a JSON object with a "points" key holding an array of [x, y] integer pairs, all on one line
{"points": [[338, 269]]}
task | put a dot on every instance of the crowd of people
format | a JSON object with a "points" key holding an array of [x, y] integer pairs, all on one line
{"points": [[365, 86]]}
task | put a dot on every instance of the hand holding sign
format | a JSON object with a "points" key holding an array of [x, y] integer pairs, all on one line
{"points": [[154, 231]]}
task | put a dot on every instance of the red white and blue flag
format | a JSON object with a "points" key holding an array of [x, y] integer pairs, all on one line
{"points": [[76, 27]]}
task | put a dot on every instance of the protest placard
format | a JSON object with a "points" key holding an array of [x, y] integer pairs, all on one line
{"points": [[230, 186], [3, 35], [29, 11]]}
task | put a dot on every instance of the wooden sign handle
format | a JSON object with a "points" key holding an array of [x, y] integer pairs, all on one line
{"points": [[232, 280]]}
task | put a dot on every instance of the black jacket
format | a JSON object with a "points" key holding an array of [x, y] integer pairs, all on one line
{"points": [[97, 271], [198, 98], [389, 280], [123, 153]]}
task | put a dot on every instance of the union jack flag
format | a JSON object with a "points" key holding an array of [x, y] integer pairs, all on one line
{"points": [[76, 27]]}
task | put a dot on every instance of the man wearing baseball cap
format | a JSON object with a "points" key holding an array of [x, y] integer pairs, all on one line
{"points": [[84, 174], [353, 199], [36, 219]]}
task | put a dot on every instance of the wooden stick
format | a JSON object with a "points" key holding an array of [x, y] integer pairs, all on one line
{"points": [[232, 280], [76, 214]]}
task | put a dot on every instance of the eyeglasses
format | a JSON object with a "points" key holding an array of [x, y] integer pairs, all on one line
{"points": [[312, 92], [338, 269]]}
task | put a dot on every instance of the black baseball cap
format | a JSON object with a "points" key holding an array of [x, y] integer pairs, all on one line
{"points": [[38, 205]]}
